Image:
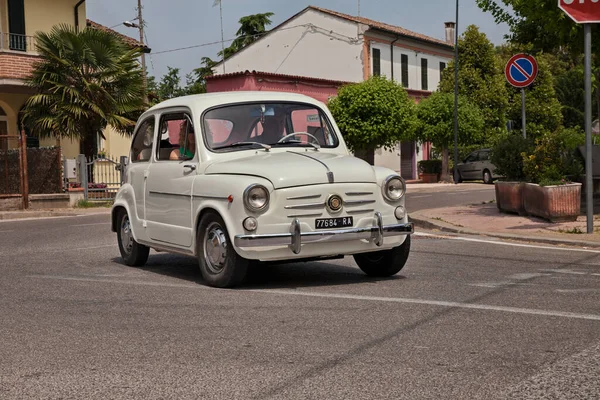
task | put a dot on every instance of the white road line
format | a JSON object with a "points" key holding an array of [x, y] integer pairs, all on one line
{"points": [[421, 197], [5, 231], [449, 304], [531, 246], [80, 248]]}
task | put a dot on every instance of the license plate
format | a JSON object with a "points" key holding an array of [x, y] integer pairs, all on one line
{"points": [[329, 223]]}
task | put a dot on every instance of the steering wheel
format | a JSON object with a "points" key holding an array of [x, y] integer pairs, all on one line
{"points": [[298, 133]]}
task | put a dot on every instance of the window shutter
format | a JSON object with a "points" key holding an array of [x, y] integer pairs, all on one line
{"points": [[424, 74], [376, 62], [404, 67]]}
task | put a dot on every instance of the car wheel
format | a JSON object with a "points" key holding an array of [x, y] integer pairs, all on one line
{"points": [[220, 265], [384, 263], [457, 177], [487, 177], [133, 253]]}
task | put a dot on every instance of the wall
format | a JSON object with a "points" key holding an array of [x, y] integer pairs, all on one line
{"points": [[42, 15], [320, 91], [415, 55], [301, 50]]}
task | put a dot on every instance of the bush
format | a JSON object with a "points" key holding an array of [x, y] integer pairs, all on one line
{"points": [[554, 159], [506, 155], [430, 166]]}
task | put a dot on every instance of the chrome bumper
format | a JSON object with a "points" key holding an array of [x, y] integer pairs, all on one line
{"points": [[295, 239]]}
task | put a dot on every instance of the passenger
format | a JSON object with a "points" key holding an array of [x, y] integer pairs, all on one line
{"points": [[177, 154]]}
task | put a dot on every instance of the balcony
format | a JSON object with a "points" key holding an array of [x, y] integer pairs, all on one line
{"points": [[17, 55]]}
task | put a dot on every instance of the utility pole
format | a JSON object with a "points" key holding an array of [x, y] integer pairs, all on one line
{"points": [[141, 29], [455, 95]]}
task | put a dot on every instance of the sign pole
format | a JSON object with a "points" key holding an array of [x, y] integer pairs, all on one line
{"points": [[523, 112], [587, 31]]}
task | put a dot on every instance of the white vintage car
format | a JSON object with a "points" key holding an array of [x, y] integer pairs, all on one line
{"points": [[236, 177]]}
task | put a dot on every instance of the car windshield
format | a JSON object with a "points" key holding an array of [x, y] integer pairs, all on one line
{"points": [[249, 125]]}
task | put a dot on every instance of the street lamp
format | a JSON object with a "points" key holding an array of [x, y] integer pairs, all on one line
{"points": [[140, 27]]}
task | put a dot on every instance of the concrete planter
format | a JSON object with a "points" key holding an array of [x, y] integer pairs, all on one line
{"points": [[509, 197], [428, 177], [555, 203]]}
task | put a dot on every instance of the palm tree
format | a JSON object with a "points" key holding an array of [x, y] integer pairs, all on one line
{"points": [[84, 82]]}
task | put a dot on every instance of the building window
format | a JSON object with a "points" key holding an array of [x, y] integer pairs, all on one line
{"points": [[376, 62], [442, 68], [16, 25], [424, 74], [404, 67]]}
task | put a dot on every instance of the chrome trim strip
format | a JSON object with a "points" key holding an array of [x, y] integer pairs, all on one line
{"points": [[330, 177], [169, 194], [210, 197], [285, 239], [358, 193], [359, 211], [304, 206], [312, 196], [358, 202], [305, 215]]}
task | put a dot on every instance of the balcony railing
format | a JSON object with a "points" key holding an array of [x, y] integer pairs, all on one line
{"points": [[15, 42]]}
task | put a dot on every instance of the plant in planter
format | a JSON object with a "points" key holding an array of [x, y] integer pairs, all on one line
{"points": [[430, 170], [507, 157], [550, 170]]}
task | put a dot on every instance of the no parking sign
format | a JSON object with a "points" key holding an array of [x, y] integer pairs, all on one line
{"points": [[521, 70]]}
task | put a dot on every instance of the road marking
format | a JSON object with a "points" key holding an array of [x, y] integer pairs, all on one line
{"points": [[420, 197], [5, 231], [448, 304], [531, 246], [80, 248], [100, 223], [565, 271], [57, 217]]}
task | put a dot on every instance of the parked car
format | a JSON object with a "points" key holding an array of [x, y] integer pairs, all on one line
{"points": [[477, 166], [232, 178]]}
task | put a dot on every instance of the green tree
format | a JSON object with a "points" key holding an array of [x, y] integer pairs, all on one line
{"points": [[480, 79], [84, 81], [436, 124], [372, 114], [252, 27]]}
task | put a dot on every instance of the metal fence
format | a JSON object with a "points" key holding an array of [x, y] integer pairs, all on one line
{"points": [[14, 182], [100, 177], [15, 42]]}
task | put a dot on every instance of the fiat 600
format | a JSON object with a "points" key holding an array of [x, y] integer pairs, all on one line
{"points": [[240, 177]]}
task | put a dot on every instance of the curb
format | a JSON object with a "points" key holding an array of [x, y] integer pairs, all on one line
{"points": [[427, 223], [18, 215]]}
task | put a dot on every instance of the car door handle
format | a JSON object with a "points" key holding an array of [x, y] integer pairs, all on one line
{"points": [[192, 167]]}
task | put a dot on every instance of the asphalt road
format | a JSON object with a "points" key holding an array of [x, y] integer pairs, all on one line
{"points": [[465, 319], [421, 197]]}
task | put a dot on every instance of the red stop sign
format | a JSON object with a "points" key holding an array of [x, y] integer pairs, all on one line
{"points": [[581, 11]]}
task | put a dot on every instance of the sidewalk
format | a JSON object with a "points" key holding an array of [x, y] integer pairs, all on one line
{"points": [[50, 213], [487, 220]]}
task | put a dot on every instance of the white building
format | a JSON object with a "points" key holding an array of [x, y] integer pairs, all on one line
{"points": [[325, 44]]}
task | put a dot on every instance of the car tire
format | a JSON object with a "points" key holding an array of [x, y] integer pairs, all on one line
{"points": [[457, 177], [132, 253], [384, 263], [219, 263], [487, 177]]}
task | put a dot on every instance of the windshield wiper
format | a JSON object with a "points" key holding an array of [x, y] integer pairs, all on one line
{"points": [[316, 146], [240, 144]]}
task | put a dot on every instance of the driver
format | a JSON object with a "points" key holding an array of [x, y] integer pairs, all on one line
{"points": [[273, 128]]}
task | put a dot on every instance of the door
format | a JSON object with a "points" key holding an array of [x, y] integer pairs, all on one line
{"points": [[407, 155], [169, 195], [141, 152], [469, 168], [16, 25]]}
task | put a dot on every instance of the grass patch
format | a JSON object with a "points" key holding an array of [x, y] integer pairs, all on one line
{"points": [[575, 231], [93, 204]]}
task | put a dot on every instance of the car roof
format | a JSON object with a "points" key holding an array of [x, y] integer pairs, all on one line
{"points": [[208, 100]]}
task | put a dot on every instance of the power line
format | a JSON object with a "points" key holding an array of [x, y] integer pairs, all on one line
{"points": [[328, 31]]}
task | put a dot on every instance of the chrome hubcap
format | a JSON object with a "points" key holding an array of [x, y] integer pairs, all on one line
{"points": [[126, 236], [215, 248]]}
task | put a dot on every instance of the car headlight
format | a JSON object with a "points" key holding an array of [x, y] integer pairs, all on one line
{"points": [[393, 188], [256, 198]]}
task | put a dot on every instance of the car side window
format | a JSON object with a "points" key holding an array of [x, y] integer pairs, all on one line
{"points": [[141, 148], [484, 156], [177, 137], [471, 158]]}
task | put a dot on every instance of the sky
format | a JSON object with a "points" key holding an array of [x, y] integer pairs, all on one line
{"points": [[175, 24]]}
